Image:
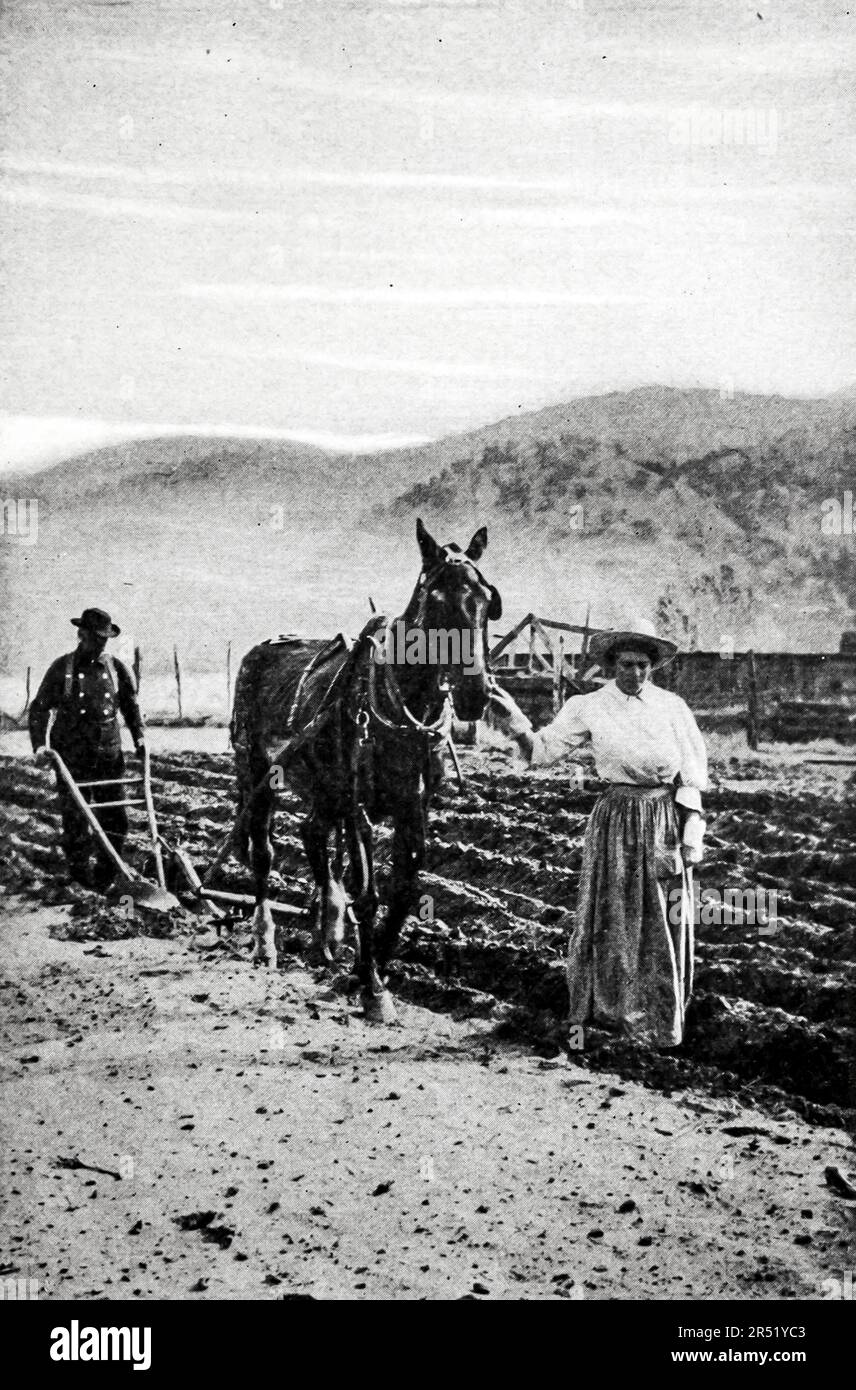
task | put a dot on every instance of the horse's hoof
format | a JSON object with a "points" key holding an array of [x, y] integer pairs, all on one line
{"points": [[265, 958], [264, 932], [379, 1008]]}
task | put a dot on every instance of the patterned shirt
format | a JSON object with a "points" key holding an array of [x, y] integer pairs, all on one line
{"points": [[645, 739]]}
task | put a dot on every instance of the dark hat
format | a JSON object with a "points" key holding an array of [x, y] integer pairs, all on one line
{"points": [[97, 621]]}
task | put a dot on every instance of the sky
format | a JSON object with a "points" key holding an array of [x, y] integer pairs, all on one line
{"points": [[364, 223]]}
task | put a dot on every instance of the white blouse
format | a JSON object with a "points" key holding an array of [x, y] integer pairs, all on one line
{"points": [[645, 739]]}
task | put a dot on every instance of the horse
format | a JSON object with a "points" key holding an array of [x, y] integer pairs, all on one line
{"points": [[357, 730]]}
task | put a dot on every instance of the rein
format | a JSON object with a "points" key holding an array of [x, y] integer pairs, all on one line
{"points": [[438, 730]]}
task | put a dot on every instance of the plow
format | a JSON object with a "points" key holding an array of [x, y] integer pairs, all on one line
{"points": [[154, 896]]}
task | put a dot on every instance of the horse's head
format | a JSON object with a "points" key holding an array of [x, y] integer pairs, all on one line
{"points": [[453, 604]]}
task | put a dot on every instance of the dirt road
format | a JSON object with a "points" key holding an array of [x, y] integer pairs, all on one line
{"points": [[248, 1136]]}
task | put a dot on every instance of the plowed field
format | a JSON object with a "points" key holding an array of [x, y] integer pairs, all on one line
{"points": [[178, 1124], [773, 1012]]}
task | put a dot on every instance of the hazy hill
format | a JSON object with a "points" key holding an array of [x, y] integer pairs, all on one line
{"points": [[705, 508], [702, 509], [196, 541], [660, 423]]}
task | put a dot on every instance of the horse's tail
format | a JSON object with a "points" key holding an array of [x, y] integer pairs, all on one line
{"points": [[245, 736], [240, 722]]}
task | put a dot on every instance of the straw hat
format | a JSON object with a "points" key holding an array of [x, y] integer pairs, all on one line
{"points": [[639, 634]]}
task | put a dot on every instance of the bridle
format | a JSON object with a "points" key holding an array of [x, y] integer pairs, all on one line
{"points": [[404, 720], [451, 556]]}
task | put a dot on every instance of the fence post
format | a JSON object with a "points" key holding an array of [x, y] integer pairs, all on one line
{"points": [[752, 719], [586, 635], [138, 667], [228, 680], [177, 679], [27, 700]]}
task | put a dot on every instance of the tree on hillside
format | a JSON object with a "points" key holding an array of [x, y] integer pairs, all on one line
{"points": [[706, 609]]}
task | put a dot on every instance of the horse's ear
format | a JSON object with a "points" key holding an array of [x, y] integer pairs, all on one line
{"points": [[478, 544], [427, 543]]}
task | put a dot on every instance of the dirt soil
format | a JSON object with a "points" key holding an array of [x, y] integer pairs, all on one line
{"points": [[179, 1124]]}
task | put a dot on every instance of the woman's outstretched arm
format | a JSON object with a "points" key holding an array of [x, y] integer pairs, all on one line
{"points": [[540, 747]]}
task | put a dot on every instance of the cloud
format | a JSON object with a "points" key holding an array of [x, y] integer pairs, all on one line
{"points": [[794, 57], [576, 216], [391, 297], [97, 205], [390, 179], [29, 443], [515, 104], [593, 187], [395, 366]]}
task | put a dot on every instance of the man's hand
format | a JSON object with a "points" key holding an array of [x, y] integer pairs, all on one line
{"points": [[140, 749], [40, 757]]}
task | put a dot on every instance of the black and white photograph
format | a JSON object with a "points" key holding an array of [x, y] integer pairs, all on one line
{"points": [[428, 664]]}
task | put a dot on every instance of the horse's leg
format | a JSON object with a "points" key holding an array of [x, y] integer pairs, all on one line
{"points": [[335, 908], [315, 857], [408, 856], [377, 1001], [240, 841], [351, 882], [330, 900], [261, 858]]}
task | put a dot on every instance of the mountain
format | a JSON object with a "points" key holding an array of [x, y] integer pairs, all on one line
{"points": [[194, 541], [702, 510]]}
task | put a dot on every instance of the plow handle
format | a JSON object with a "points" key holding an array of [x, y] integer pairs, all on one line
{"points": [[150, 814], [83, 806]]}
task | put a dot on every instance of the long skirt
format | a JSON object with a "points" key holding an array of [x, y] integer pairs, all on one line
{"points": [[630, 959]]}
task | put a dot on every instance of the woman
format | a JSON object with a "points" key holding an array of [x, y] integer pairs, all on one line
{"points": [[630, 959]]}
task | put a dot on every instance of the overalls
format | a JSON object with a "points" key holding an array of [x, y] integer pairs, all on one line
{"points": [[86, 736]]}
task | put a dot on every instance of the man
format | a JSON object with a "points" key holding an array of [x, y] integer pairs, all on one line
{"points": [[85, 688]]}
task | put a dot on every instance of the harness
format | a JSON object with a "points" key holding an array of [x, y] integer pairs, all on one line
{"points": [[373, 637], [354, 696]]}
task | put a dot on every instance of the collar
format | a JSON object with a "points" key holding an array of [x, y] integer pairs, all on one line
{"points": [[643, 698]]}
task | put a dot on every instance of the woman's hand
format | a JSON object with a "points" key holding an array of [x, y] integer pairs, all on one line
{"points": [[506, 715], [692, 837]]}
